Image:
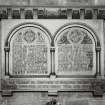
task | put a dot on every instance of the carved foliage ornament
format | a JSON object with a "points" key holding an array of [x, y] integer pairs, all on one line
{"points": [[29, 36]]}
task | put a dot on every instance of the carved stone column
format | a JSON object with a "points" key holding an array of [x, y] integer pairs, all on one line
{"points": [[52, 60], [6, 49], [98, 69]]}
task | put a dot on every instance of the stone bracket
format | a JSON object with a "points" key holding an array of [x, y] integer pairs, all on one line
{"points": [[98, 88], [7, 85], [6, 88], [53, 93], [7, 93], [45, 12]]}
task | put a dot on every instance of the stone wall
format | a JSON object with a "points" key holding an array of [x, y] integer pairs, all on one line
{"points": [[41, 98], [68, 98], [52, 2]]}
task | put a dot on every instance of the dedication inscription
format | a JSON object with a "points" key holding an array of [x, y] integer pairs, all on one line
{"points": [[75, 52], [29, 52]]}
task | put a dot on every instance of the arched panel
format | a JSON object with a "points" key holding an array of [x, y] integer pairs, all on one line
{"points": [[29, 50], [75, 52]]}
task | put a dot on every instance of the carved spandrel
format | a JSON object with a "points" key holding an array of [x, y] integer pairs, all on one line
{"points": [[75, 52], [29, 51]]}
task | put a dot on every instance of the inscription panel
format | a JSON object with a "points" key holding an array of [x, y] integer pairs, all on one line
{"points": [[75, 52], [29, 52], [38, 84], [35, 84]]}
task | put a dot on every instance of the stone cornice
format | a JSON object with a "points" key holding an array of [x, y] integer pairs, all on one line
{"points": [[27, 12]]}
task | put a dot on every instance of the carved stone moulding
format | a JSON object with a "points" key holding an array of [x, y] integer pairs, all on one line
{"points": [[52, 13], [96, 86]]}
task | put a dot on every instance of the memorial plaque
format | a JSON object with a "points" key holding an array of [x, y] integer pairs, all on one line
{"points": [[29, 52], [75, 52]]}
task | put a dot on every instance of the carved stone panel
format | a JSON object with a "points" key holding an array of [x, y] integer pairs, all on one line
{"points": [[75, 52], [29, 52], [32, 54]]}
